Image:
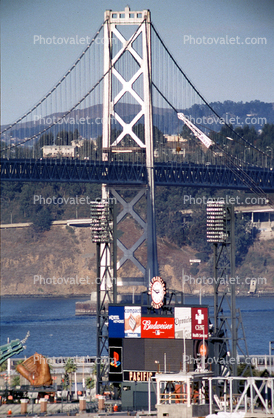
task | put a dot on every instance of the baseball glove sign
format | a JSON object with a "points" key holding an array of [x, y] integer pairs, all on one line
{"points": [[36, 370]]}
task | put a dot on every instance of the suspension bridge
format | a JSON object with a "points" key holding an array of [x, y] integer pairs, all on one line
{"points": [[126, 173], [114, 119]]}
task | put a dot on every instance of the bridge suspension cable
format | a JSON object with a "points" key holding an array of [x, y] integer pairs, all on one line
{"points": [[230, 163], [79, 95], [56, 85], [75, 106], [229, 160], [200, 95]]}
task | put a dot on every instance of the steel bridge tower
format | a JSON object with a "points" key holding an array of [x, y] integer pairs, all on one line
{"points": [[126, 142], [113, 63]]}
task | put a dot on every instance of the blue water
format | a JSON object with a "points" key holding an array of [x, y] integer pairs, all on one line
{"points": [[54, 328], [258, 320], [56, 331]]}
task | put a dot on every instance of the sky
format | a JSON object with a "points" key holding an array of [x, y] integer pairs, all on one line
{"points": [[226, 47]]}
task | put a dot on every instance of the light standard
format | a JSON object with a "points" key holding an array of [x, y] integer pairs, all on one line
{"points": [[184, 358], [271, 150], [270, 355], [183, 285], [246, 149]]}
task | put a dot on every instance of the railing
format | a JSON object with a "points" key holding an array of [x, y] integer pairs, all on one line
{"points": [[181, 397], [173, 398], [256, 393]]}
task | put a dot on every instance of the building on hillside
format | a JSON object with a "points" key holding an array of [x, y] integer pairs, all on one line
{"points": [[174, 138], [58, 151]]}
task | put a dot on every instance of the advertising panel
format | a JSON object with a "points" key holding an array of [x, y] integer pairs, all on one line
{"points": [[138, 376], [182, 319], [157, 327], [116, 322], [132, 321], [199, 323], [115, 359]]}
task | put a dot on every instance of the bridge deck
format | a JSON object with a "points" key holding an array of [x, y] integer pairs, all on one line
{"points": [[113, 173]]}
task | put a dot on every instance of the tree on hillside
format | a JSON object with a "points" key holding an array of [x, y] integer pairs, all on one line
{"points": [[42, 220], [266, 138], [186, 133], [64, 138], [173, 224], [245, 235]]}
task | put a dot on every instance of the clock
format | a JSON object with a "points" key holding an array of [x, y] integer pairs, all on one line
{"points": [[157, 290]]}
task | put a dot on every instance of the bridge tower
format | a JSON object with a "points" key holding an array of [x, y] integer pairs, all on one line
{"points": [[127, 69]]}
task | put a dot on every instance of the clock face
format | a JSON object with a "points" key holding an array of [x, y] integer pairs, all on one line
{"points": [[157, 291]]}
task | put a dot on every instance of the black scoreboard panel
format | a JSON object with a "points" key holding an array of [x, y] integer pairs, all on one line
{"points": [[134, 354], [174, 349], [141, 354]]}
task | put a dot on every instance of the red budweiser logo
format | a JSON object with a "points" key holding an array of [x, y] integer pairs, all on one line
{"points": [[148, 325], [157, 327]]}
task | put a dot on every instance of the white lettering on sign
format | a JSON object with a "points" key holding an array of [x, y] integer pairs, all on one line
{"points": [[199, 316], [116, 319], [140, 376], [148, 325], [199, 336], [199, 327], [182, 321]]}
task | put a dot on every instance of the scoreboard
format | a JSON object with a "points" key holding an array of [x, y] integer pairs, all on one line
{"points": [[140, 344]]}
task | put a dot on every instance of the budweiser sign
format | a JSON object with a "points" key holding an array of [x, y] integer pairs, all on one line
{"points": [[157, 327]]}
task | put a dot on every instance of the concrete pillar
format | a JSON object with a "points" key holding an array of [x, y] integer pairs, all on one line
{"points": [[24, 406], [43, 403], [82, 403], [101, 403]]}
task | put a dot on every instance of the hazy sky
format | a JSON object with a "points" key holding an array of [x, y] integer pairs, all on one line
{"points": [[240, 70]]}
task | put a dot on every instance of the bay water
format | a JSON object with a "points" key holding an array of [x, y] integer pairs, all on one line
{"points": [[55, 331]]}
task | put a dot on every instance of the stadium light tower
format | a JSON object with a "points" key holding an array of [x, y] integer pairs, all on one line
{"points": [[103, 233], [221, 232]]}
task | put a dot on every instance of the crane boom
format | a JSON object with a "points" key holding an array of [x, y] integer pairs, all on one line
{"points": [[199, 134]]}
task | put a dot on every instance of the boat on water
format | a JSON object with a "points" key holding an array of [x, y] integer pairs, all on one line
{"points": [[85, 308]]}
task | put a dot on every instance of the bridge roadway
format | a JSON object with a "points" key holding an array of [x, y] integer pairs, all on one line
{"points": [[165, 174]]}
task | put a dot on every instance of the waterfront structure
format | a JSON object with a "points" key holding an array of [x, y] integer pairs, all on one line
{"points": [[193, 394]]}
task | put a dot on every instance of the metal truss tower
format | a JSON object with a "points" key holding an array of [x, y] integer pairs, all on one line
{"points": [[226, 334], [116, 67], [103, 233]]}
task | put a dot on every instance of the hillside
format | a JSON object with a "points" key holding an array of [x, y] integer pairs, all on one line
{"points": [[254, 113], [31, 261]]}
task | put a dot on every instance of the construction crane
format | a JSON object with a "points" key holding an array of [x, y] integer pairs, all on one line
{"points": [[230, 162], [199, 134]]}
